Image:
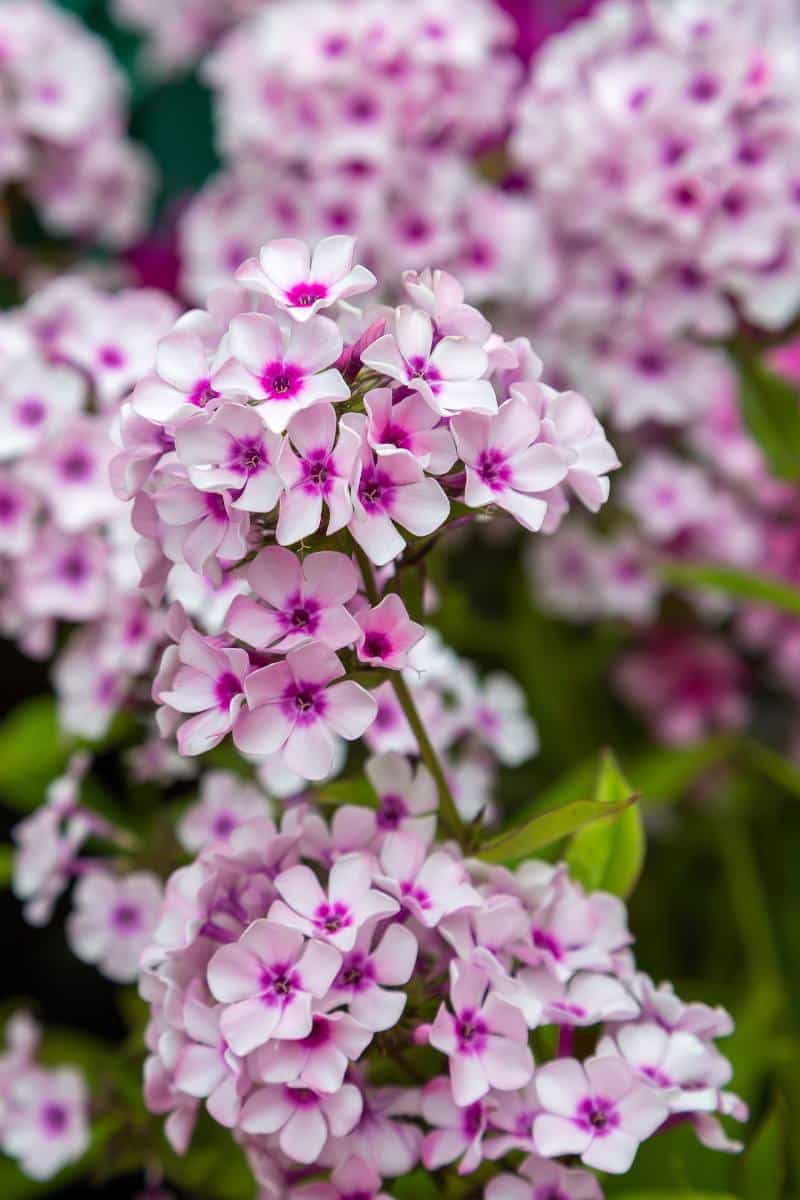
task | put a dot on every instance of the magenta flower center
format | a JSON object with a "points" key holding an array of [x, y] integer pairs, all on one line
{"points": [[377, 645], [303, 295], [471, 1031], [472, 1120], [226, 688], [597, 1115], [357, 973], [111, 356], [126, 918], [31, 411], [548, 942], [376, 490], [493, 469], [318, 472], [301, 615], [76, 466], [412, 891], [74, 568], [281, 380], [304, 703], [392, 811], [320, 1033], [279, 982], [331, 918], [248, 455], [201, 393], [54, 1118]]}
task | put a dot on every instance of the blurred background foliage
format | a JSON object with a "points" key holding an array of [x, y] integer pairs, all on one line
{"points": [[717, 908]]}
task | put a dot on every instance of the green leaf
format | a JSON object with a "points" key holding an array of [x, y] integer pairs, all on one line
{"points": [[347, 791], [776, 768], [771, 410], [33, 751], [742, 585], [541, 831], [409, 585], [6, 865], [764, 1165], [664, 776], [608, 855]]}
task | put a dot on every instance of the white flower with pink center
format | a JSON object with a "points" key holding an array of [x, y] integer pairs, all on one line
{"points": [[448, 374], [506, 464], [393, 488], [409, 424], [407, 799], [286, 370], [316, 470], [209, 682], [369, 969], [589, 998], [458, 1130], [429, 886], [304, 1119], [297, 706], [268, 982], [201, 528], [113, 919], [72, 470], [335, 916], [485, 1038], [597, 1109], [232, 451], [541, 1179], [181, 383], [387, 633], [65, 576], [226, 802], [302, 282], [206, 1068], [45, 1120], [301, 600], [36, 400], [320, 1059], [688, 1071]]}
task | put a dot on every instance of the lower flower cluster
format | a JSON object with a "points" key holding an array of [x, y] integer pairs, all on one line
{"points": [[363, 1008]]}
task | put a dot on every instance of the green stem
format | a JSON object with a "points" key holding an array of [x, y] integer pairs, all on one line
{"points": [[447, 805]]}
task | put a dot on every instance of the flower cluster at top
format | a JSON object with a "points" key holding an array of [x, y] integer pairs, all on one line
{"points": [[67, 358], [356, 997], [62, 127], [44, 1112], [661, 145], [269, 430], [369, 124]]}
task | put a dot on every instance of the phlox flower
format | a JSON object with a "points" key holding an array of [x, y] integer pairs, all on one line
{"points": [[316, 469], [284, 369], [660, 1003], [296, 706], [113, 919], [268, 981], [485, 1038], [409, 424], [302, 599], [65, 576], [598, 1110], [688, 1071], [506, 465], [209, 681], [382, 1137], [458, 1129], [448, 375], [407, 799], [375, 964], [181, 382], [429, 886], [303, 1118], [201, 528], [540, 1179], [301, 282], [206, 1068], [498, 714], [232, 451], [589, 998], [45, 1123], [389, 490], [226, 802], [441, 296], [18, 509], [335, 916], [37, 399], [387, 633], [74, 468], [571, 931], [320, 1059]]}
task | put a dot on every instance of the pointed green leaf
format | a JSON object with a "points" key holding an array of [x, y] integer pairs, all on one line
{"points": [[764, 1165], [771, 410], [541, 831], [742, 585], [608, 855]]}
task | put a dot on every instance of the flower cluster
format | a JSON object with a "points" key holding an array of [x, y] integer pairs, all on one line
{"points": [[679, 122], [359, 998], [371, 125], [43, 1111], [113, 912], [67, 358], [62, 127]]}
